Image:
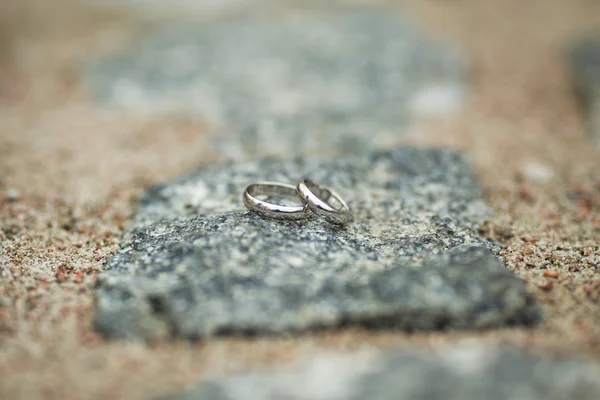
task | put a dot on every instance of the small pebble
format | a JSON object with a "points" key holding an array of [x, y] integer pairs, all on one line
{"points": [[537, 173], [13, 195], [526, 194], [546, 286], [504, 231], [551, 273]]}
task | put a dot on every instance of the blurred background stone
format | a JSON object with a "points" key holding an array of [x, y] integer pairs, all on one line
{"points": [[585, 61], [465, 372], [300, 83]]}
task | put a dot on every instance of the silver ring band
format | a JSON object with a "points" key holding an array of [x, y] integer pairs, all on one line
{"points": [[323, 201], [277, 190]]}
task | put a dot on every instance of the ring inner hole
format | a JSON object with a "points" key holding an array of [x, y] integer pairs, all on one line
{"points": [[326, 196], [274, 195]]}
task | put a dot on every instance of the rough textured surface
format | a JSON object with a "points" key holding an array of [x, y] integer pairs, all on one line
{"points": [[376, 185], [585, 60], [288, 85], [457, 374], [196, 264]]}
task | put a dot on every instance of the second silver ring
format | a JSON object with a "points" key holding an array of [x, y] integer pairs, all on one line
{"points": [[323, 201]]}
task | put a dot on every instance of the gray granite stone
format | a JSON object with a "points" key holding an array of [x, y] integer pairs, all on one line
{"points": [[196, 264], [585, 60], [458, 374], [294, 84], [196, 9]]}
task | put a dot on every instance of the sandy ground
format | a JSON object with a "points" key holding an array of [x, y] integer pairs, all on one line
{"points": [[70, 175]]}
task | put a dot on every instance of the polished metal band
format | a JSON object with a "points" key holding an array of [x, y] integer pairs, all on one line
{"points": [[323, 201], [271, 210]]}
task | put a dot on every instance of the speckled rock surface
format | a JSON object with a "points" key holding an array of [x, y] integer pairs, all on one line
{"points": [[197, 264], [457, 374], [325, 83], [585, 61], [197, 9]]}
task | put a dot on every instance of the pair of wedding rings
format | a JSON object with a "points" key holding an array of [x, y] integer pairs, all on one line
{"points": [[316, 200]]}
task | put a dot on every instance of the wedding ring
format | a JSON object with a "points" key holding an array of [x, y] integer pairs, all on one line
{"points": [[323, 201], [271, 210]]}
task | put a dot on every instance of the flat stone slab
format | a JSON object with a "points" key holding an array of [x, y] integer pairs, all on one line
{"points": [[585, 61], [458, 374], [325, 83], [196, 263], [197, 10]]}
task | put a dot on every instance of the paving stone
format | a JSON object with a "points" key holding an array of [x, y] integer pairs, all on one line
{"points": [[196, 8], [462, 373], [585, 61], [326, 83], [196, 264]]}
